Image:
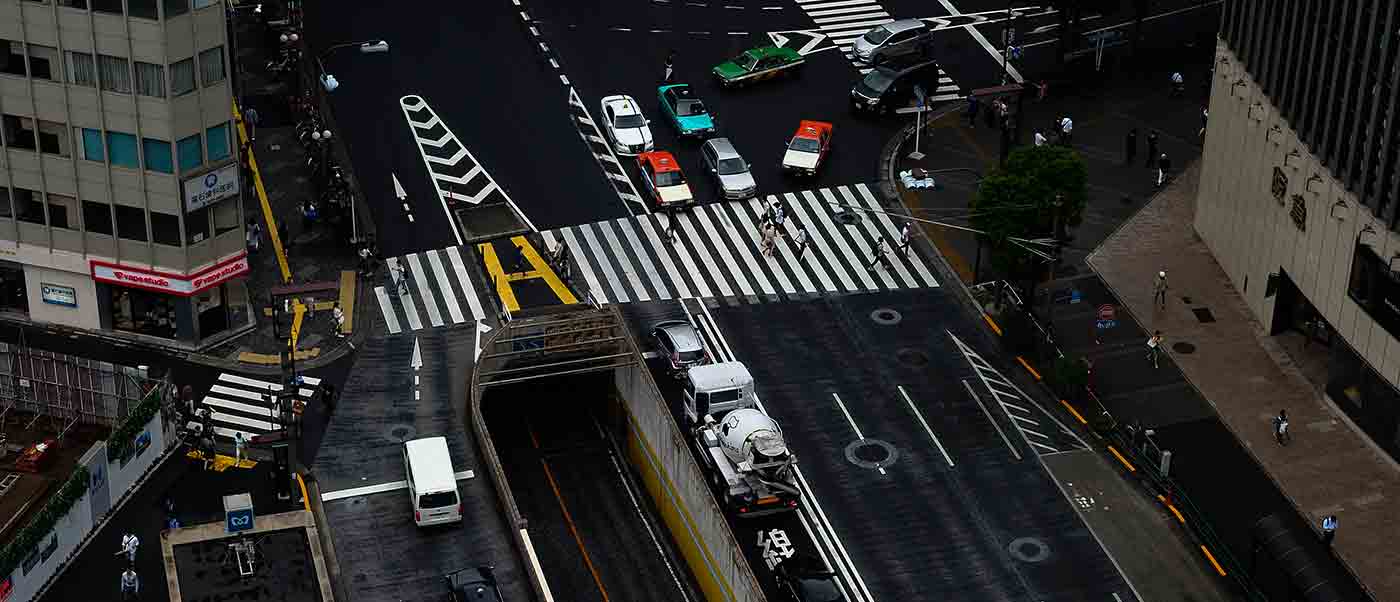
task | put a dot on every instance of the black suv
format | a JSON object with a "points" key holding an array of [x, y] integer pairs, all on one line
{"points": [[891, 86], [473, 585], [803, 579]]}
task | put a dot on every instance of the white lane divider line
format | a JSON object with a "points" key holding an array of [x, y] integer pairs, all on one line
{"points": [[852, 422], [924, 423]]}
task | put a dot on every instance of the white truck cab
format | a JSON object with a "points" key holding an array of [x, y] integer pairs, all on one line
{"points": [[432, 483], [714, 389]]}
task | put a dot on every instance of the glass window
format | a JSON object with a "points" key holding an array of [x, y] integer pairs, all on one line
{"points": [[150, 80], [131, 223], [121, 150], [217, 140], [165, 229], [12, 58], [175, 8], [197, 225], [18, 132], [191, 152], [92, 145], [81, 69], [113, 74], [211, 65], [226, 217], [43, 62], [157, 153], [97, 217], [204, 3], [107, 6], [62, 209], [29, 205], [53, 138], [182, 77], [146, 9], [5, 207]]}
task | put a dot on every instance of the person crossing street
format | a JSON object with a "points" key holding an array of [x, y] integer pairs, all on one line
{"points": [[800, 242], [878, 254], [906, 237]]}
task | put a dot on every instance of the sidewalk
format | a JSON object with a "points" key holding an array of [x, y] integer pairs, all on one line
{"points": [[1329, 468]]}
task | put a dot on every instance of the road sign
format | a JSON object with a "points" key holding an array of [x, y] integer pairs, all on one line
{"points": [[1107, 311], [919, 94], [238, 513], [1106, 324]]}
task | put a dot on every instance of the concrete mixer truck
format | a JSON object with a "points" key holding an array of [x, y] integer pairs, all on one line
{"points": [[740, 447]]}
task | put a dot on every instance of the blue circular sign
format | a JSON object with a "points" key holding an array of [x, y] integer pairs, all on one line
{"points": [[211, 179]]}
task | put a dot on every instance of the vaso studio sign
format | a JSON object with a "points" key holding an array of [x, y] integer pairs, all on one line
{"points": [[169, 283], [203, 191]]}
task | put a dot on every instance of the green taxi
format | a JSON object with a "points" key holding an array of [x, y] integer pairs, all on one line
{"points": [[758, 64]]}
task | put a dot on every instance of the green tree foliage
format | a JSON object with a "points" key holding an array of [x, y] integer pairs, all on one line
{"points": [[1018, 200]]}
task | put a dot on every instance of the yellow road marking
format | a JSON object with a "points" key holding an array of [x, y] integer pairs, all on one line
{"points": [[262, 198], [222, 462], [305, 501], [1073, 411], [542, 270], [539, 270], [992, 323], [347, 301], [1211, 558], [1120, 457], [1028, 367], [498, 276], [298, 312]]}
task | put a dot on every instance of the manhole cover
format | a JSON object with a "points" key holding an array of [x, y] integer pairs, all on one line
{"points": [[847, 218], [871, 453], [911, 357], [402, 432], [1028, 549], [1184, 348], [886, 316], [1203, 315]]}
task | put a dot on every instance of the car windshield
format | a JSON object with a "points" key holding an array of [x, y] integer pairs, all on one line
{"points": [[690, 108], [878, 80], [731, 166], [669, 178], [629, 121], [806, 145], [744, 61], [692, 356], [437, 500], [877, 35]]}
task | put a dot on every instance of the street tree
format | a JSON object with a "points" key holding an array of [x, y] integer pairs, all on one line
{"points": [[1040, 192]]}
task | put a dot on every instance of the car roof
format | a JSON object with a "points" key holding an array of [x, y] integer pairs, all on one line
{"points": [[425, 455], [623, 104], [660, 161], [680, 90], [682, 334], [716, 376], [899, 68], [904, 25], [763, 51], [724, 149], [811, 129]]}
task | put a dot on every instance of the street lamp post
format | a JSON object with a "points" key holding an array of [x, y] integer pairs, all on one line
{"points": [[328, 81]]}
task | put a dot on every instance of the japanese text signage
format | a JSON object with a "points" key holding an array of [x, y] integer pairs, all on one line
{"points": [[58, 294], [164, 282], [210, 188]]}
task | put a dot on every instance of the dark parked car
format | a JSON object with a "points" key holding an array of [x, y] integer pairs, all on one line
{"points": [[891, 86], [473, 585], [803, 579]]}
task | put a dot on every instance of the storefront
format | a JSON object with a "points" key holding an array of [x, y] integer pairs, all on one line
{"points": [[192, 309]]}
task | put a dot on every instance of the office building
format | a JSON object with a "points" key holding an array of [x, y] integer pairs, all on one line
{"points": [[1299, 193], [120, 205]]}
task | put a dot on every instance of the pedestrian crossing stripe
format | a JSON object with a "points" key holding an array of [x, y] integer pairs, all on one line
{"points": [[238, 404], [435, 281], [717, 251]]}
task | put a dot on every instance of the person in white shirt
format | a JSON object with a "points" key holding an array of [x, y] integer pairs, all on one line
{"points": [[1039, 138], [129, 544], [130, 585], [1066, 130], [338, 317]]}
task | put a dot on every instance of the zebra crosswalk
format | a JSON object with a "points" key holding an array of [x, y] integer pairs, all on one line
{"points": [[842, 21], [716, 251], [428, 290], [238, 404]]}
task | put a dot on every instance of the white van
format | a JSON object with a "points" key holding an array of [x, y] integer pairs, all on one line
{"points": [[432, 484], [715, 389]]}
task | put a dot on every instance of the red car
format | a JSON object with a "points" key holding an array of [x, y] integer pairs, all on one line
{"points": [[663, 180], [808, 148]]}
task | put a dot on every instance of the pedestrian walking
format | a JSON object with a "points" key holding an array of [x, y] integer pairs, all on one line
{"points": [[1159, 289], [769, 234], [1041, 90], [878, 254], [328, 397], [1281, 427], [1130, 147], [254, 236], [309, 215], [130, 585], [971, 110], [906, 237], [800, 241], [1066, 130], [364, 260], [1154, 347], [1164, 167], [1151, 148], [129, 544], [338, 318], [251, 119], [670, 66], [240, 447], [671, 218], [1329, 528], [1205, 117], [1039, 138]]}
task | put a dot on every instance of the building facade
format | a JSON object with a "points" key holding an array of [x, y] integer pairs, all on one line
{"points": [[1299, 191], [120, 200]]}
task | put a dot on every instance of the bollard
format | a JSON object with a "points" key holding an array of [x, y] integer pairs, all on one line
{"points": [[1166, 465]]}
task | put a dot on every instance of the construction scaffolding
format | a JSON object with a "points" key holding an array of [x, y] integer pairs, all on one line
{"points": [[56, 391]]}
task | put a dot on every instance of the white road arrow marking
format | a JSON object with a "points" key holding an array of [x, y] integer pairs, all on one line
{"points": [[416, 362], [398, 188]]}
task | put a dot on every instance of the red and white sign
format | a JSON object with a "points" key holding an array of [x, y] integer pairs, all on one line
{"points": [[1107, 312], [167, 282]]}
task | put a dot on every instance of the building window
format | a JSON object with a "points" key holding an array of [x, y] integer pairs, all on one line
{"points": [[121, 150], [131, 223], [60, 208], [42, 60], [191, 152], [150, 80], [114, 74], [107, 6], [157, 153], [73, 3], [204, 3], [6, 209], [197, 225], [29, 205], [211, 65], [97, 217], [12, 58], [175, 8], [182, 77], [217, 140], [145, 9], [165, 229], [1279, 186], [18, 132], [53, 138], [92, 145], [81, 69]]}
